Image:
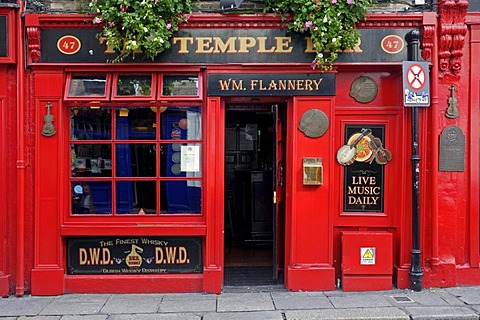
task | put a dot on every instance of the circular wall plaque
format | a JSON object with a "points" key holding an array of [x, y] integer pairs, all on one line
{"points": [[364, 89], [313, 123]]}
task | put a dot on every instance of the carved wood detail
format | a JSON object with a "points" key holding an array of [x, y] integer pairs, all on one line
{"points": [[451, 36], [33, 43], [428, 36]]}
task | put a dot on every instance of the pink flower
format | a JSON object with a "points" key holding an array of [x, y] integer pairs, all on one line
{"points": [[349, 1], [307, 25], [169, 26], [333, 1], [97, 20], [111, 24]]}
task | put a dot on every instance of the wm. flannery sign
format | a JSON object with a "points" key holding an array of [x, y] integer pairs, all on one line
{"points": [[218, 46], [271, 84]]}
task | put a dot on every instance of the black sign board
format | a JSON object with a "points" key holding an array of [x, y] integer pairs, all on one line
{"points": [[452, 149], [364, 178], [3, 36], [225, 45], [270, 84], [134, 255]]}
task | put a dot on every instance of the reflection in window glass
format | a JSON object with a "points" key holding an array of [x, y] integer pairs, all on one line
{"points": [[88, 85], [180, 85], [134, 85], [136, 197], [91, 197], [136, 160], [135, 123], [181, 197], [179, 123], [90, 123], [91, 160]]}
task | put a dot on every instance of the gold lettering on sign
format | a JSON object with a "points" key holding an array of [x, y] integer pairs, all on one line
{"points": [[270, 85], [364, 191]]}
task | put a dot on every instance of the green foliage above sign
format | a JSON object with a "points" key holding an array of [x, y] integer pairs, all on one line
{"points": [[131, 26], [331, 24]]}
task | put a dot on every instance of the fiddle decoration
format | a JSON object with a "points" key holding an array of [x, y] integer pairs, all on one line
{"points": [[48, 127], [452, 110], [363, 146]]}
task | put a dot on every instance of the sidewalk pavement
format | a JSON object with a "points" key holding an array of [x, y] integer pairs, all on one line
{"points": [[252, 303]]}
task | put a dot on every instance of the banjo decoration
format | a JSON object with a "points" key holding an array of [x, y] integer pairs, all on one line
{"points": [[363, 146]]}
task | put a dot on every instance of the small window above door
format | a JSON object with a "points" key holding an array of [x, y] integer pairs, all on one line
{"points": [[127, 86], [87, 87]]}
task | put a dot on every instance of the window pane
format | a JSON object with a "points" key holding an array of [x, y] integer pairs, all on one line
{"points": [[134, 86], [179, 123], [136, 197], [90, 123], [180, 85], [136, 160], [88, 85], [135, 123], [181, 197], [91, 160], [90, 197], [181, 160]]}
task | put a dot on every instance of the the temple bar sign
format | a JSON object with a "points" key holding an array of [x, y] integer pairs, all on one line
{"points": [[3, 36], [313, 84]]}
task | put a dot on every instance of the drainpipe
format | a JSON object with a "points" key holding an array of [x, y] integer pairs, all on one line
{"points": [[416, 272], [21, 164]]}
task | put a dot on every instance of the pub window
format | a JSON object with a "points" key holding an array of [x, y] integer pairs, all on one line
{"points": [[87, 86], [180, 85], [139, 86], [128, 158]]}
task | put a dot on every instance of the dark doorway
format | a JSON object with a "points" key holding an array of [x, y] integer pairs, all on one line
{"points": [[253, 250]]}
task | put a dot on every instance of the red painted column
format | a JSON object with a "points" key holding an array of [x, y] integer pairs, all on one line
{"points": [[214, 191], [48, 272], [309, 228]]}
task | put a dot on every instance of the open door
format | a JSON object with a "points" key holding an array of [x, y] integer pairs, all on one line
{"points": [[278, 188], [254, 147]]}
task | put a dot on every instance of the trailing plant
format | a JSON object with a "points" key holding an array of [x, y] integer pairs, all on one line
{"points": [[132, 26], [331, 24]]}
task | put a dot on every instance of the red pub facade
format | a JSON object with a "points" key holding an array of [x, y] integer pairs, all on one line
{"points": [[229, 152]]}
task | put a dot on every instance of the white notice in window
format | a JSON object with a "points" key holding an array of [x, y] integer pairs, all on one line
{"points": [[190, 158]]}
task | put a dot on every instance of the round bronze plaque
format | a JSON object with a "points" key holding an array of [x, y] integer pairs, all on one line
{"points": [[364, 89], [313, 123]]}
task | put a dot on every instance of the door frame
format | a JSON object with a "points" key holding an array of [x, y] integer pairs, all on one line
{"points": [[278, 245]]}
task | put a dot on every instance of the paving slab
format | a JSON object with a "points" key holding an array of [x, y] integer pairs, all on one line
{"points": [[132, 303], [360, 301], [23, 306], [76, 304], [439, 313], [390, 313], [244, 302], [469, 295], [188, 303], [39, 318], [254, 315], [300, 300], [87, 317], [423, 298], [156, 316]]}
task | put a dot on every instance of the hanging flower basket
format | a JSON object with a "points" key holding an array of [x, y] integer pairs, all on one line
{"points": [[331, 24], [132, 26]]}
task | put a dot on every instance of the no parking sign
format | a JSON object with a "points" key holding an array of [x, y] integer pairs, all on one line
{"points": [[416, 84]]}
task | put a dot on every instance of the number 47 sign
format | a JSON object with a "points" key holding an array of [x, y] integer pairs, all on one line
{"points": [[416, 84]]}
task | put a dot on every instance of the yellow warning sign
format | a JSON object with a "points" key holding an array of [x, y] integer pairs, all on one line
{"points": [[367, 255]]}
